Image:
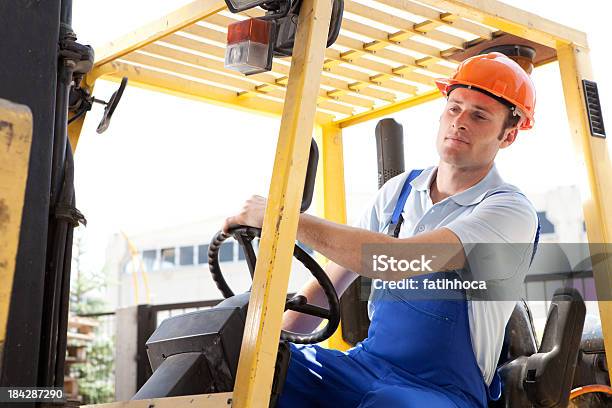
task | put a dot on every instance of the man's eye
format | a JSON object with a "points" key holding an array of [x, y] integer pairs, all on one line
{"points": [[480, 117], [453, 109]]}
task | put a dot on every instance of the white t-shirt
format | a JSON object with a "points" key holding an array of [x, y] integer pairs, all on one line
{"points": [[475, 216]]}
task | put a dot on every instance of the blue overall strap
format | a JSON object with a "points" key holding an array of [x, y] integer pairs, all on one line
{"points": [[396, 218]]}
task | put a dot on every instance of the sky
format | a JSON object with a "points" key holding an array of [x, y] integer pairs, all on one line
{"points": [[167, 161]]}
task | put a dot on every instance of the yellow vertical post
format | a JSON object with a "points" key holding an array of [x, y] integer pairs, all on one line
{"points": [[266, 307], [74, 131], [75, 128], [594, 161], [15, 142], [331, 195], [332, 172]]}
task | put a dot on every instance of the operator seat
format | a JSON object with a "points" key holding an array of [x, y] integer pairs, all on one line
{"points": [[541, 377]]}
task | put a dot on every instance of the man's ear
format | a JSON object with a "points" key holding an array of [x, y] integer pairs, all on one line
{"points": [[509, 137]]}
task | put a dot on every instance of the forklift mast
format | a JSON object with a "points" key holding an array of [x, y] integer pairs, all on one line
{"points": [[42, 57]]}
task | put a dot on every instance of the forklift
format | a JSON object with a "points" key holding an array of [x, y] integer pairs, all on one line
{"points": [[278, 60], [198, 352]]}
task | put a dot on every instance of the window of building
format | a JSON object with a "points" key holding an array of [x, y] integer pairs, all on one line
{"points": [[254, 243], [186, 255], [148, 258], [241, 256], [168, 257], [202, 254], [226, 252], [546, 227]]}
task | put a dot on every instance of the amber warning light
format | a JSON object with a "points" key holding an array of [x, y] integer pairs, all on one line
{"points": [[249, 46]]}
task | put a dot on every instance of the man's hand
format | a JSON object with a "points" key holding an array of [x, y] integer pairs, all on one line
{"points": [[252, 214]]}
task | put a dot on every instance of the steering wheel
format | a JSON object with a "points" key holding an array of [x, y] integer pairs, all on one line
{"points": [[245, 235]]}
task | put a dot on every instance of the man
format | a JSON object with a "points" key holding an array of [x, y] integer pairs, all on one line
{"points": [[438, 352]]}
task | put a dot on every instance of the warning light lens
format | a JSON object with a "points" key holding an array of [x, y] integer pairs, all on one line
{"points": [[253, 29], [248, 46]]}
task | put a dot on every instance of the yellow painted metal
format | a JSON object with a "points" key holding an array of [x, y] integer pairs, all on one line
{"points": [[15, 142], [358, 80], [333, 58], [341, 85], [155, 30], [211, 50], [137, 260], [223, 399], [75, 128], [359, 49], [436, 18], [264, 317], [595, 166], [383, 39], [389, 109], [406, 28], [248, 87], [174, 85], [74, 131], [509, 19], [331, 196], [332, 173], [263, 82]]}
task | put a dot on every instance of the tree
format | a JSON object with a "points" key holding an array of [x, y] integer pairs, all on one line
{"points": [[95, 377]]}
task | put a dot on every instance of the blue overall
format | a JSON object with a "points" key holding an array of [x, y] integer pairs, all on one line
{"points": [[418, 353]]}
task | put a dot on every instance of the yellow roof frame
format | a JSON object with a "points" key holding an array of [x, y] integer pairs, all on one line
{"points": [[383, 71]]}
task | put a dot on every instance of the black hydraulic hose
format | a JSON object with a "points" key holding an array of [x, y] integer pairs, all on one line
{"points": [[66, 12], [57, 232], [60, 138], [68, 201], [53, 285], [62, 327], [60, 239]]}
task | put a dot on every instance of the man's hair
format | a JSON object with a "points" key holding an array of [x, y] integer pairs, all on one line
{"points": [[511, 121]]}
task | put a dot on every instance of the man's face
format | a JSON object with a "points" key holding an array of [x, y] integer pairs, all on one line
{"points": [[472, 129]]}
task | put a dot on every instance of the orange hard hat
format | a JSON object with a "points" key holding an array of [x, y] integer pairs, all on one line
{"points": [[496, 74]]}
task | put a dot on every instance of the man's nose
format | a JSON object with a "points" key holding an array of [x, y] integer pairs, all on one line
{"points": [[460, 121]]}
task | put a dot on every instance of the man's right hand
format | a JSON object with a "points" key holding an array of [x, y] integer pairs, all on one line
{"points": [[251, 215]]}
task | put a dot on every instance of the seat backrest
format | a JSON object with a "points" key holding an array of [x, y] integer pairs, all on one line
{"points": [[520, 337], [544, 379], [520, 342]]}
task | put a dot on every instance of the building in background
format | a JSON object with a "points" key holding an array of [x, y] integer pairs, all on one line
{"points": [[560, 214], [171, 265]]}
